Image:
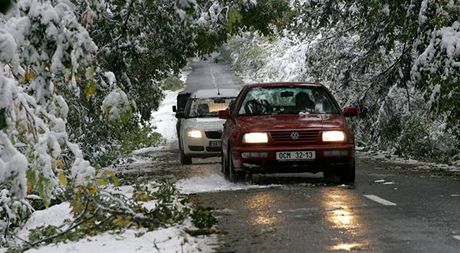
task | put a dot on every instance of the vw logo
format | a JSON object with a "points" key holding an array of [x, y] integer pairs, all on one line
{"points": [[295, 135]]}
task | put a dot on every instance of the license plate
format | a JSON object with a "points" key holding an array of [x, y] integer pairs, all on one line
{"points": [[295, 155], [215, 144]]}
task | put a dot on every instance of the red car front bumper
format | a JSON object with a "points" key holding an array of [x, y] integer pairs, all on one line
{"points": [[327, 157]]}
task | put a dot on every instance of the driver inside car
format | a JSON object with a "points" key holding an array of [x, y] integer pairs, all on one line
{"points": [[303, 102], [255, 106]]}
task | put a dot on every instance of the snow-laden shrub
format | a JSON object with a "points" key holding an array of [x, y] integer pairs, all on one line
{"points": [[103, 207], [260, 59], [117, 108], [43, 47], [173, 83], [420, 138], [247, 52], [437, 70], [13, 185], [13, 167]]}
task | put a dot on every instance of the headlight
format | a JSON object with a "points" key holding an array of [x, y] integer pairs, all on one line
{"points": [[333, 136], [194, 134], [255, 138]]}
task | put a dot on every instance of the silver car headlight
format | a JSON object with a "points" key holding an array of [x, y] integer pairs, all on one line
{"points": [[255, 138], [333, 136]]}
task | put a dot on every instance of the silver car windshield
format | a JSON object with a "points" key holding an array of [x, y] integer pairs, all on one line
{"points": [[208, 107], [287, 100]]}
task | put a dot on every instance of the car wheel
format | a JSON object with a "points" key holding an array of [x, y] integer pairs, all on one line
{"points": [[234, 176], [329, 174], [348, 174], [184, 159], [223, 167]]}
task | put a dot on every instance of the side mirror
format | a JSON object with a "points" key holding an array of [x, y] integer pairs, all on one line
{"points": [[350, 111], [225, 114], [174, 108], [180, 115]]}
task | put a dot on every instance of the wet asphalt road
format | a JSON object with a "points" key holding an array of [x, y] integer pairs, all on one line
{"points": [[410, 211], [206, 75], [391, 208]]}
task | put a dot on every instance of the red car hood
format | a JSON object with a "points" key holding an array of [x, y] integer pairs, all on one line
{"points": [[290, 122]]}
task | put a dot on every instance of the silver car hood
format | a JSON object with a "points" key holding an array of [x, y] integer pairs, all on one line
{"points": [[207, 124]]}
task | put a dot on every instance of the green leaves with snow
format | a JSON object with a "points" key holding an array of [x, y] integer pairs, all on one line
{"points": [[116, 108], [234, 18]]}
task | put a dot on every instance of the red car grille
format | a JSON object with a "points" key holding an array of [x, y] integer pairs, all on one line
{"points": [[300, 137]]}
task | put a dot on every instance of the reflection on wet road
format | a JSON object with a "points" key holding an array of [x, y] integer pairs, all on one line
{"points": [[305, 213], [292, 213], [339, 205], [391, 208], [260, 204]]}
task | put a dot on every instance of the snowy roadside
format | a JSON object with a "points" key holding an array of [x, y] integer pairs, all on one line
{"points": [[166, 239], [164, 119], [169, 238], [172, 238], [387, 157]]}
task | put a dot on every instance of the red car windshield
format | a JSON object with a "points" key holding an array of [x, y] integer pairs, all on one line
{"points": [[288, 100]]}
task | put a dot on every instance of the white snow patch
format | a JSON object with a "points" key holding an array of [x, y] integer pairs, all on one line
{"points": [[385, 156], [213, 183], [164, 118], [54, 215], [115, 104], [110, 77], [171, 239], [149, 150]]}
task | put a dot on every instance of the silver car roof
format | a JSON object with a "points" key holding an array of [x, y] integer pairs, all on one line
{"points": [[214, 93]]}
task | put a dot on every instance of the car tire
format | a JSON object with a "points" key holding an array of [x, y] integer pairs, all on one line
{"points": [[348, 174], [223, 167], [330, 174], [234, 176], [184, 159]]}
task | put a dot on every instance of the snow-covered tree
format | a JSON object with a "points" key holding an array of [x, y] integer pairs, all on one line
{"points": [[43, 50], [396, 60], [74, 75]]}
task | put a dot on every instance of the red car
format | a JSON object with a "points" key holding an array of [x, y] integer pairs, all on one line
{"points": [[287, 127]]}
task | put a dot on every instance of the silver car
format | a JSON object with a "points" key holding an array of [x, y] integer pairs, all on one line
{"points": [[200, 128]]}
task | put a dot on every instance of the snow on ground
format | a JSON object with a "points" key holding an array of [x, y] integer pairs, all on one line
{"points": [[213, 183], [164, 118], [386, 157], [171, 239], [54, 215], [149, 150]]}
